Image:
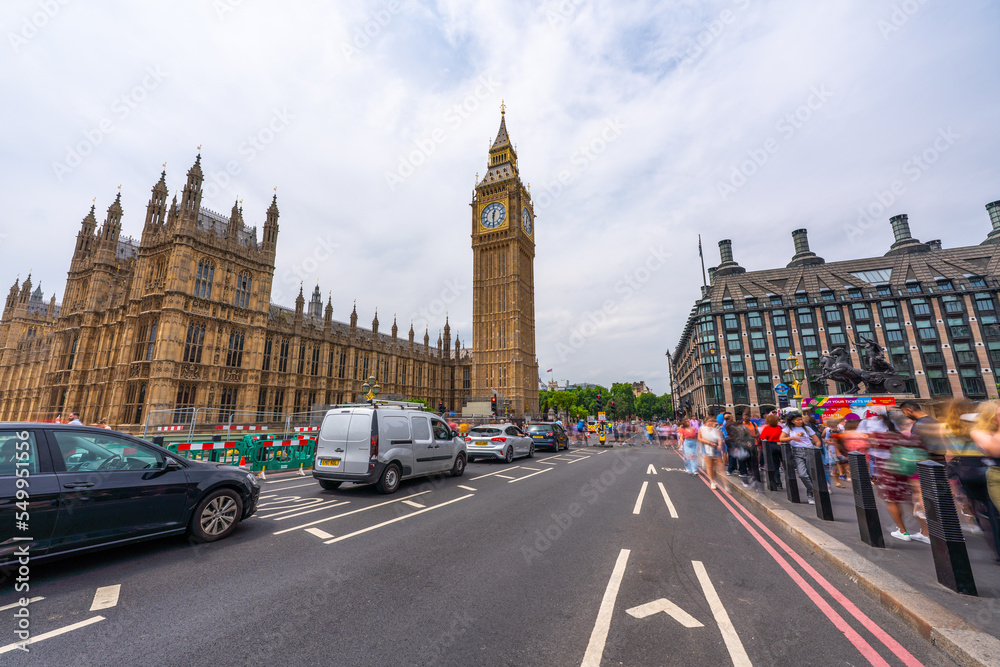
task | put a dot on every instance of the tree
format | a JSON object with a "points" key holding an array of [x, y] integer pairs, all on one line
{"points": [[624, 398], [648, 406]]}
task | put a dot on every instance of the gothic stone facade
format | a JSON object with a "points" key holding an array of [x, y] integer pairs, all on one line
{"points": [[182, 319], [933, 310]]}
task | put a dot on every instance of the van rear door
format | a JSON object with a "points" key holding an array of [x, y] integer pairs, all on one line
{"points": [[363, 429], [345, 441]]}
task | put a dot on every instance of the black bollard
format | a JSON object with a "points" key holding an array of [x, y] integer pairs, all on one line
{"points": [[821, 492], [771, 450], [791, 481], [951, 558], [864, 501]]}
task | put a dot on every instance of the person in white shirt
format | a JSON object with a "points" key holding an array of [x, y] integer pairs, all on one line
{"points": [[74, 419], [801, 437]]}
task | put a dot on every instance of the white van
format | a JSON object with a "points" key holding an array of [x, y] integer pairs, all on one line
{"points": [[384, 444]]}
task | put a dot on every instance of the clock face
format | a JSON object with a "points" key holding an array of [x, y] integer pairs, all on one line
{"points": [[526, 220], [493, 215]]}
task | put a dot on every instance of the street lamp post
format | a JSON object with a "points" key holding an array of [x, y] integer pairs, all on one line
{"points": [[717, 375], [795, 374], [370, 389]]}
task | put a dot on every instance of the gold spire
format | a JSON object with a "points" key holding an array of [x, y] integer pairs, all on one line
{"points": [[503, 108]]}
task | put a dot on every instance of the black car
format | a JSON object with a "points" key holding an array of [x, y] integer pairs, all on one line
{"points": [[69, 489], [548, 434]]}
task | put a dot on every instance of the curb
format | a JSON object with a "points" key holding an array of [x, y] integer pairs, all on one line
{"points": [[958, 638]]}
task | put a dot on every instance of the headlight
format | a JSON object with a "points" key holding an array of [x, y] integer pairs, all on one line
{"points": [[252, 479]]}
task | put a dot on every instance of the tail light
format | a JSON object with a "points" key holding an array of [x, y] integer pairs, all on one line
{"points": [[548, 434], [468, 439], [499, 439], [373, 447]]}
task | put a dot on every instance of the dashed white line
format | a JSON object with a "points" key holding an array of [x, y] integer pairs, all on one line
{"points": [[638, 501], [337, 516], [51, 633], [18, 604], [502, 476], [549, 463], [733, 643], [578, 460], [413, 504], [467, 488], [320, 533], [306, 503], [490, 474], [527, 476], [106, 597], [531, 469], [401, 518], [595, 649], [666, 499]]}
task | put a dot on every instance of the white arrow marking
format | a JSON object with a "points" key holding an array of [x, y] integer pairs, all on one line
{"points": [[668, 608], [651, 470], [106, 597]]}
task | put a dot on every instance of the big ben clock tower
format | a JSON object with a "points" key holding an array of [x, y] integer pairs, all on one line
{"points": [[503, 282]]}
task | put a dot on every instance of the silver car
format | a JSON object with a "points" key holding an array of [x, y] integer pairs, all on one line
{"points": [[498, 441]]}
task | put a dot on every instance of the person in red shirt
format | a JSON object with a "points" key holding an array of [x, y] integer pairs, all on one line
{"points": [[772, 433]]}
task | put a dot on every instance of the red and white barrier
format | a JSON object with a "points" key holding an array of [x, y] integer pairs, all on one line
{"points": [[227, 427], [201, 446], [284, 443], [299, 429], [170, 428]]}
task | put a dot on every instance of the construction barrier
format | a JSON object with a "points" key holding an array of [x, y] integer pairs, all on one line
{"points": [[280, 454], [233, 427], [171, 428], [231, 453], [300, 429]]}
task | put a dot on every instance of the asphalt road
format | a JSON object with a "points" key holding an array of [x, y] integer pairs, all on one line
{"points": [[548, 561]]}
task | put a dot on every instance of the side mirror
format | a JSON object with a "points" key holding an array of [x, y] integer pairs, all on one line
{"points": [[455, 434], [171, 464]]}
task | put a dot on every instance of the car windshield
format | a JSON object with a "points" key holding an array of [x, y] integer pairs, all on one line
{"points": [[539, 427], [485, 430]]}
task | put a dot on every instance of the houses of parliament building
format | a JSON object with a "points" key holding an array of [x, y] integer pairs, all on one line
{"points": [[181, 320]]}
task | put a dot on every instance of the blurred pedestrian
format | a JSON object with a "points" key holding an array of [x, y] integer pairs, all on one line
{"points": [[801, 438], [886, 447], [927, 430], [689, 437], [985, 435], [711, 441], [771, 433], [966, 469]]}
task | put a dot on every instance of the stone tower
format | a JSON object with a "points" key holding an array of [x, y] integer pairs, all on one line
{"points": [[503, 284]]}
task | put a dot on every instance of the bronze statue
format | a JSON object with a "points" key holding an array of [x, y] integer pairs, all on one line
{"points": [[878, 375]]}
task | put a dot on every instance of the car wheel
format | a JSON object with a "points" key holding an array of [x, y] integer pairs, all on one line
{"points": [[509, 456], [531, 451], [389, 481], [459, 468], [216, 515], [329, 484], [555, 446]]}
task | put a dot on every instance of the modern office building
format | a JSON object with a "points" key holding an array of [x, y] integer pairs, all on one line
{"points": [[933, 310]]}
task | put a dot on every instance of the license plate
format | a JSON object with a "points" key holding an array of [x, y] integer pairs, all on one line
{"points": [[329, 462], [536, 436], [481, 444]]}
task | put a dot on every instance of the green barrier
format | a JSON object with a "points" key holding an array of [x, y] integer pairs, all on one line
{"points": [[265, 454], [231, 453]]}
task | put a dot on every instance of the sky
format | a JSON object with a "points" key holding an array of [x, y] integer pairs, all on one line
{"points": [[639, 125]]}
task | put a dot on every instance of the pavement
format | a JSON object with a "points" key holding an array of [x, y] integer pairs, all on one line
{"points": [[901, 575], [592, 556]]}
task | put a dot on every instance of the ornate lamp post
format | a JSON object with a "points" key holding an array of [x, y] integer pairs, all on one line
{"points": [[370, 389], [795, 374]]}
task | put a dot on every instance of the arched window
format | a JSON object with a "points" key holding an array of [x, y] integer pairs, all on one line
{"points": [[203, 281], [194, 343], [234, 355], [243, 290]]}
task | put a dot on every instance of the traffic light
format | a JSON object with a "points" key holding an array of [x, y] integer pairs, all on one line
{"points": [[493, 405], [611, 406], [600, 403], [440, 407]]}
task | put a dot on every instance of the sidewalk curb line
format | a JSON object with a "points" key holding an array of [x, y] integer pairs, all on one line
{"points": [[958, 638]]}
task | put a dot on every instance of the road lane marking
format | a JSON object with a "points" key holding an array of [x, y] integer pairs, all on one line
{"points": [[472, 479], [314, 509], [651, 470], [531, 469], [666, 499], [601, 452], [467, 488], [270, 495], [667, 607], [337, 516], [413, 504], [503, 476], [733, 643], [106, 597], [283, 500], [595, 649], [51, 633], [638, 501], [550, 463], [401, 518], [286, 488], [18, 604], [531, 475], [316, 503], [578, 460], [319, 532]]}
